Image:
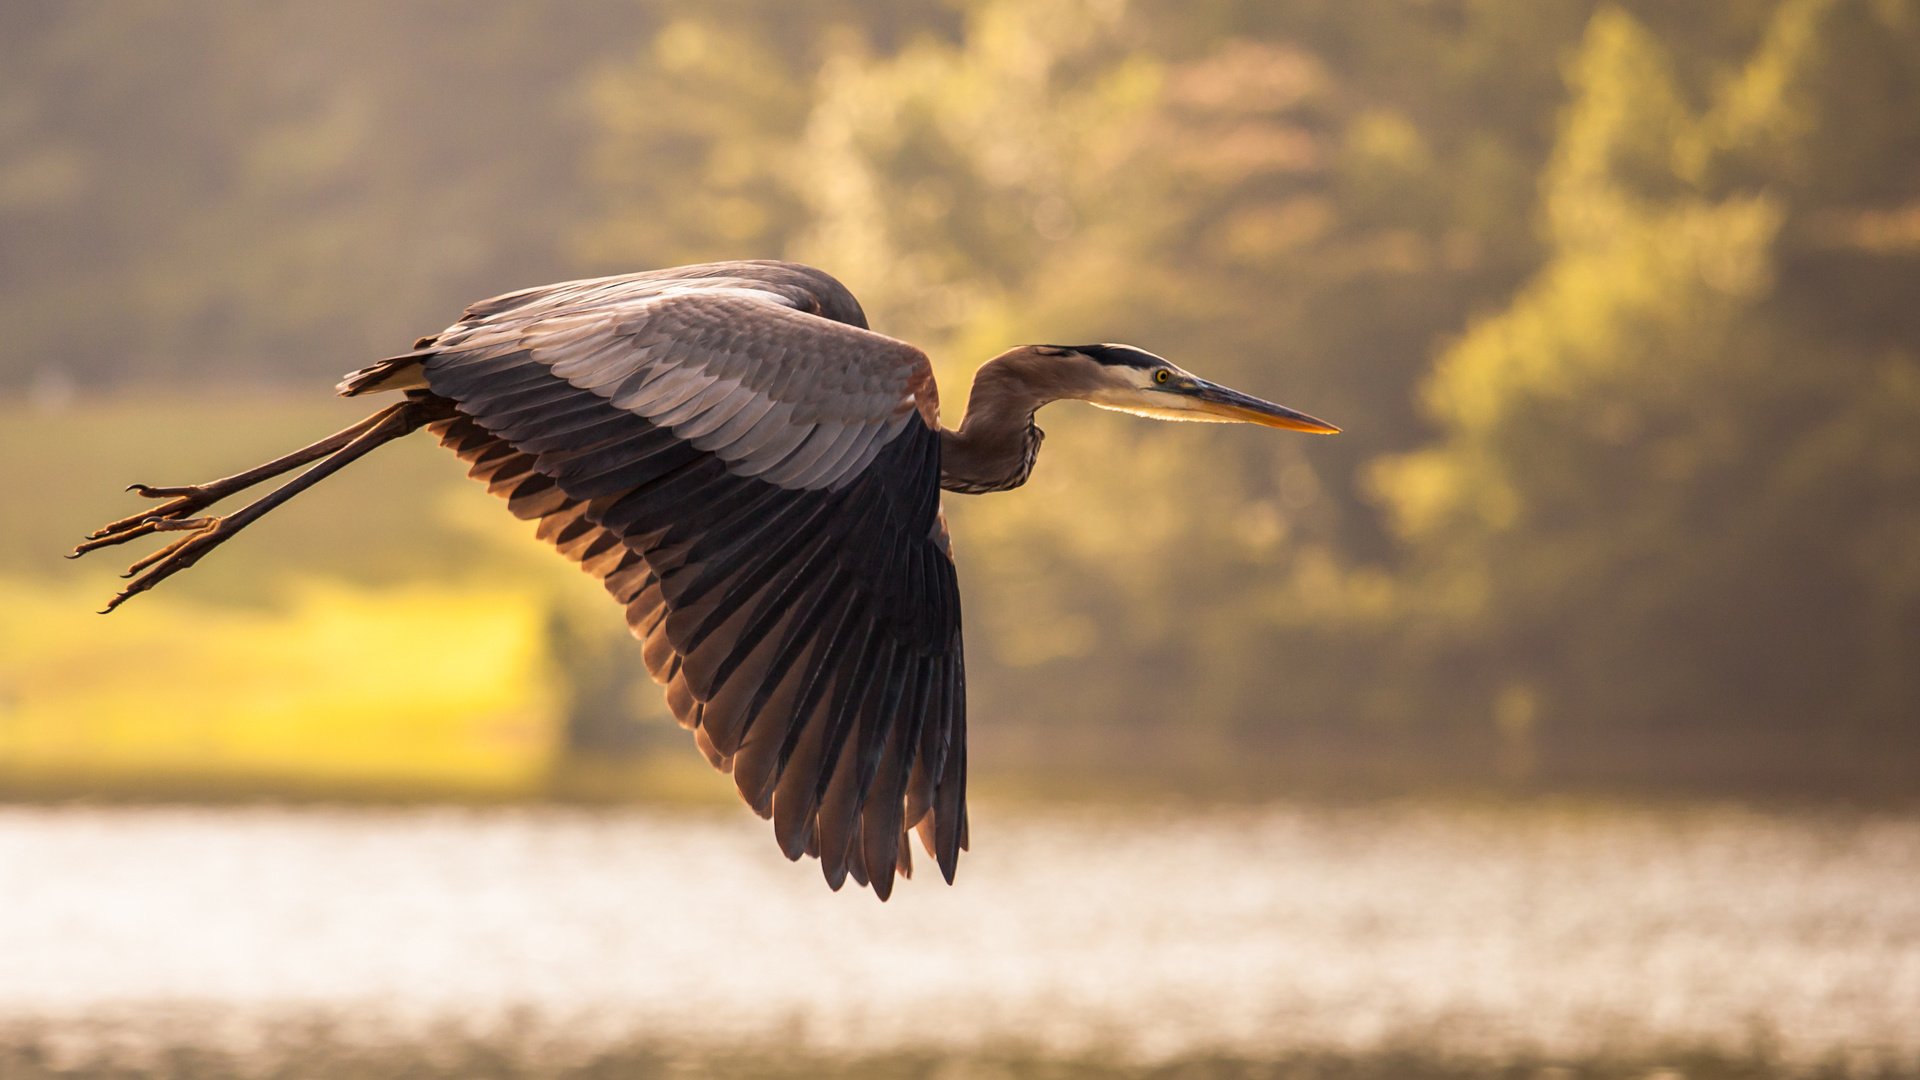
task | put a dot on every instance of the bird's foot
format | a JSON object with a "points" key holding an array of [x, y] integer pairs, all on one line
{"points": [[202, 536], [168, 516]]}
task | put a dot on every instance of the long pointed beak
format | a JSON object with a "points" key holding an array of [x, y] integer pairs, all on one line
{"points": [[1231, 404]]}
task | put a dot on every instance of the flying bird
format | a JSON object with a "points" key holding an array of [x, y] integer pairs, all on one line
{"points": [[755, 476]]}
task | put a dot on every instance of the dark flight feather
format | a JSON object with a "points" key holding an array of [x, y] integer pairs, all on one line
{"points": [[759, 494]]}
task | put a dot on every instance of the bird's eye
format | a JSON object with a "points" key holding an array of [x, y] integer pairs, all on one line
{"points": [[1161, 376]]}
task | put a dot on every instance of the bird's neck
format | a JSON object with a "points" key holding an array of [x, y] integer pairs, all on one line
{"points": [[997, 442]]}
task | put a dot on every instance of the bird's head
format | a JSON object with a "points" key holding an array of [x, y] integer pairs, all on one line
{"points": [[1130, 380]]}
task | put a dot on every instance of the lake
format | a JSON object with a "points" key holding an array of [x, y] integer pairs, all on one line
{"points": [[1539, 932]]}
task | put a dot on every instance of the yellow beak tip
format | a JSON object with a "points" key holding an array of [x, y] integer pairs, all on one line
{"points": [[1308, 426]]}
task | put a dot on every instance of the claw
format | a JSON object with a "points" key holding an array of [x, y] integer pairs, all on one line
{"points": [[118, 599], [149, 491]]}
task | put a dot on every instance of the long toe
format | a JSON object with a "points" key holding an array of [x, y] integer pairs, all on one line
{"points": [[167, 517], [173, 509], [110, 536], [151, 491], [156, 557], [183, 524], [169, 561]]}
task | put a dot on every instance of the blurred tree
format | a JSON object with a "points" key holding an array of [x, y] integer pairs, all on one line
{"points": [[1683, 510], [1199, 182], [263, 192], [1658, 502], [696, 133]]}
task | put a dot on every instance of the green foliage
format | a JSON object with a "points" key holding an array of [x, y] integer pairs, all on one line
{"points": [[1658, 480], [1625, 529]]}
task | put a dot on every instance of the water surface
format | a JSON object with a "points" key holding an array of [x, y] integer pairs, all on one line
{"points": [[1141, 936]]}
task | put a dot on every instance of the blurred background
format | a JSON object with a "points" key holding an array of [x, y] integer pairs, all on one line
{"points": [[1562, 714]]}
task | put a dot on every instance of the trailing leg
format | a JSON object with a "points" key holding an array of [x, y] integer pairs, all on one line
{"points": [[203, 534], [193, 497]]}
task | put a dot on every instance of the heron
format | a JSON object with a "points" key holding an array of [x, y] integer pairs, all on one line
{"points": [[755, 476]]}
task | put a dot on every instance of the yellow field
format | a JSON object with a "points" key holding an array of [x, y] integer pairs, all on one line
{"points": [[427, 690], [355, 643]]}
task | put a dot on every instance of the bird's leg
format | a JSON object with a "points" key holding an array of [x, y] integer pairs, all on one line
{"points": [[205, 534], [190, 498]]}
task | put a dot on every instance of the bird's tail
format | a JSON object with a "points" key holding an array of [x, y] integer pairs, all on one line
{"points": [[401, 372], [203, 534]]}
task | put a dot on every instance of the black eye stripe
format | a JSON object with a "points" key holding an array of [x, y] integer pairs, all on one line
{"points": [[1118, 355]]}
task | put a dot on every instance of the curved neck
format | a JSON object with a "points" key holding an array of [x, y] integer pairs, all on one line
{"points": [[996, 444]]}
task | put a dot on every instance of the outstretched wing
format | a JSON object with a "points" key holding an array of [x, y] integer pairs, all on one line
{"points": [[755, 477]]}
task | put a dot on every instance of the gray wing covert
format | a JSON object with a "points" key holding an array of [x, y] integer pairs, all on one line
{"points": [[759, 486]]}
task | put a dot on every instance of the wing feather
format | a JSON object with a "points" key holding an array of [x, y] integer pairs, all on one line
{"points": [[804, 694], [754, 410], [753, 476], [836, 792]]}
